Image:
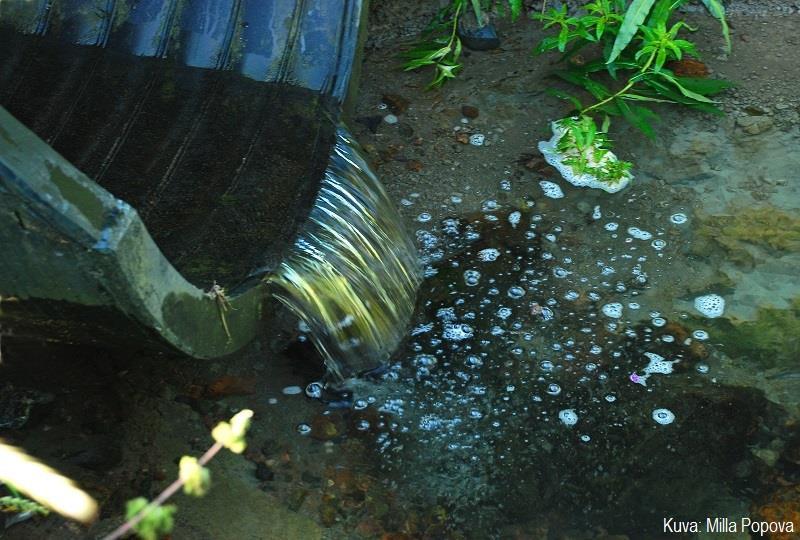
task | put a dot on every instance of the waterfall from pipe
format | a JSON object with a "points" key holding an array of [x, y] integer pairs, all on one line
{"points": [[353, 272]]}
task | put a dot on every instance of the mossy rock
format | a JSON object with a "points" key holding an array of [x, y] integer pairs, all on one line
{"points": [[743, 232], [772, 340]]}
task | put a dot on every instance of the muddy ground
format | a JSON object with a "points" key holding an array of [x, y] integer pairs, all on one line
{"points": [[118, 423]]}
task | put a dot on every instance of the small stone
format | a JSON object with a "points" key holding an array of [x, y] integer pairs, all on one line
{"points": [[462, 137], [754, 125], [469, 111], [397, 103], [390, 119], [414, 165]]}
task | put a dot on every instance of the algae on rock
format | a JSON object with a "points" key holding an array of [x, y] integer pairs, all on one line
{"points": [[744, 234], [772, 340]]}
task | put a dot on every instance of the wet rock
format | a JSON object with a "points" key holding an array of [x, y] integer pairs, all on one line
{"points": [[754, 125], [462, 137], [397, 103], [469, 111], [414, 165]]}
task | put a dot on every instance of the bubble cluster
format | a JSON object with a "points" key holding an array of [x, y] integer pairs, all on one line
{"points": [[568, 417], [551, 189], [612, 310], [710, 305]]}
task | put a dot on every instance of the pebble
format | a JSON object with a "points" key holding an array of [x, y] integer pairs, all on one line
{"points": [[754, 125], [469, 111], [390, 119]]}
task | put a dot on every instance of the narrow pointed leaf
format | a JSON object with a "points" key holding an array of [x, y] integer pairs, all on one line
{"points": [[634, 16]]}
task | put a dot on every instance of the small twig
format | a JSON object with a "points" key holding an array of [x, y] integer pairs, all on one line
{"points": [[223, 305], [162, 497]]}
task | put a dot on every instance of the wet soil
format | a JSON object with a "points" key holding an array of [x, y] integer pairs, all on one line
{"points": [[118, 423]]}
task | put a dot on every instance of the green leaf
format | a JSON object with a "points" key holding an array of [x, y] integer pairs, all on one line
{"points": [[640, 117], [634, 16], [158, 522], [640, 97], [706, 87], [516, 8], [606, 123], [666, 91], [685, 91], [717, 11], [564, 95]]}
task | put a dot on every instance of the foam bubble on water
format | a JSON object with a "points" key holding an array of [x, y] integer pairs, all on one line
{"points": [[639, 234], [514, 217], [488, 254], [663, 416], [658, 244], [702, 368], [457, 332], [568, 417], [612, 310], [678, 218], [596, 213], [504, 313], [505, 184], [424, 217], [710, 305], [471, 277], [314, 390], [658, 322], [551, 189], [611, 226], [303, 429], [477, 139], [516, 292], [455, 199], [553, 389], [292, 390], [658, 364], [700, 335]]}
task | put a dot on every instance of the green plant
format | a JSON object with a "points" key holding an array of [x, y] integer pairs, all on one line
{"points": [[440, 45], [642, 72], [19, 504], [152, 520]]}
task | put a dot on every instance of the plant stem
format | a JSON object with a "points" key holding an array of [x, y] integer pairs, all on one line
{"points": [[624, 89], [162, 497]]}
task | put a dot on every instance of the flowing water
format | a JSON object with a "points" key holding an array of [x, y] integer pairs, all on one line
{"points": [[352, 273]]}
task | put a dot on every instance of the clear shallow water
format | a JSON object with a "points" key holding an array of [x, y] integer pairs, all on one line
{"points": [[560, 375]]}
